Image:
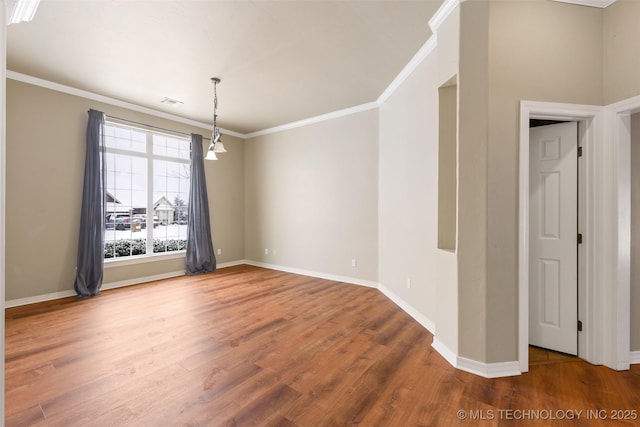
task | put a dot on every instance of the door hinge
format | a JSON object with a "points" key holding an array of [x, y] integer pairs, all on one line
{"points": [[579, 238], [579, 151], [579, 325]]}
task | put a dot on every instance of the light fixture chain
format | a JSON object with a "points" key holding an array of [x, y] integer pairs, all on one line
{"points": [[215, 104]]}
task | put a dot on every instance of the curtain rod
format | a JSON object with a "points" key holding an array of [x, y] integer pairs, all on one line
{"points": [[151, 126]]}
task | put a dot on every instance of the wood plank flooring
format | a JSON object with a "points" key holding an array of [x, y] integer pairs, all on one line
{"points": [[542, 356], [247, 346]]}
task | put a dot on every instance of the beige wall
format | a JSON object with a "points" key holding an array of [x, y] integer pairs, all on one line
{"points": [[408, 193], [635, 232], [225, 187], [621, 59], [473, 146], [408, 204], [45, 164], [538, 51], [311, 197], [509, 51]]}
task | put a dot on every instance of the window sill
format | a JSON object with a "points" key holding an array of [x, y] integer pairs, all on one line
{"points": [[141, 259]]}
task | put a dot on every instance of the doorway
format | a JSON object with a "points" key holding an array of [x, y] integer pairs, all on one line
{"points": [[604, 201], [553, 235]]}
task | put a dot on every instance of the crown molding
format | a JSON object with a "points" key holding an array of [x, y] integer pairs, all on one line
{"points": [[417, 59], [442, 13], [426, 49], [312, 120], [112, 101], [591, 3], [434, 23]]}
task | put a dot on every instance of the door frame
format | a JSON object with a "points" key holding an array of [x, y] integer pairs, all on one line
{"points": [[604, 213]]}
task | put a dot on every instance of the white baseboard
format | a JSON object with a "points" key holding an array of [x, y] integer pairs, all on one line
{"points": [[231, 263], [319, 275], [139, 280], [407, 308], [449, 355], [106, 286], [38, 298], [487, 370], [634, 357]]}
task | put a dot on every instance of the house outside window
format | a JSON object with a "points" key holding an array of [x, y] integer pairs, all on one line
{"points": [[147, 191]]}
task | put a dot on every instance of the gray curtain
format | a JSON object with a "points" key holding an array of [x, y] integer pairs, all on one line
{"points": [[90, 262], [200, 256]]}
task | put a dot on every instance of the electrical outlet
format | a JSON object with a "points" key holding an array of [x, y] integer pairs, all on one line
{"points": [[354, 262], [219, 251], [408, 283], [266, 251]]}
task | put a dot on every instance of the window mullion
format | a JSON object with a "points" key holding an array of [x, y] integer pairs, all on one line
{"points": [[150, 193]]}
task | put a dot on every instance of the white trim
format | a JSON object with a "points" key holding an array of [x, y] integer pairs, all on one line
{"points": [[142, 259], [317, 119], [591, 3], [134, 107], [407, 308], [417, 59], [429, 46], [140, 280], [442, 13], [112, 101], [3, 178], [486, 370], [444, 351], [231, 264], [618, 293], [606, 217], [39, 298], [107, 286], [634, 357], [489, 370], [302, 272], [555, 111], [629, 105]]}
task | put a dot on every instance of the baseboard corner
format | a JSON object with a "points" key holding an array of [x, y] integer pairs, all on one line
{"points": [[482, 369]]}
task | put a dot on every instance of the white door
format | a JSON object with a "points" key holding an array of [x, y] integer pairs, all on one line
{"points": [[553, 235]]}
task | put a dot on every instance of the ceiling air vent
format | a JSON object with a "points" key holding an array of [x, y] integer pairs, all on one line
{"points": [[172, 102]]}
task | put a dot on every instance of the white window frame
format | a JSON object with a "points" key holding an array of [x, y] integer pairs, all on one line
{"points": [[149, 155]]}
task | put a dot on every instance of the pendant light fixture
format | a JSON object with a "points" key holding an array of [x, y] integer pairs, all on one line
{"points": [[216, 145]]}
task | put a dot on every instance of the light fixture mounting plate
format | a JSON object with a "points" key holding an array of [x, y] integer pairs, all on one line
{"points": [[215, 79]]}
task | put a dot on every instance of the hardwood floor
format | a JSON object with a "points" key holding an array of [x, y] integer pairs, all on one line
{"points": [[246, 346], [542, 356]]}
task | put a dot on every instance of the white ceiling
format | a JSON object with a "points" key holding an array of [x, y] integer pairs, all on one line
{"points": [[279, 61]]}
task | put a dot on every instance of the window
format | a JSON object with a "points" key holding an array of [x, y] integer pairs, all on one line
{"points": [[147, 191]]}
